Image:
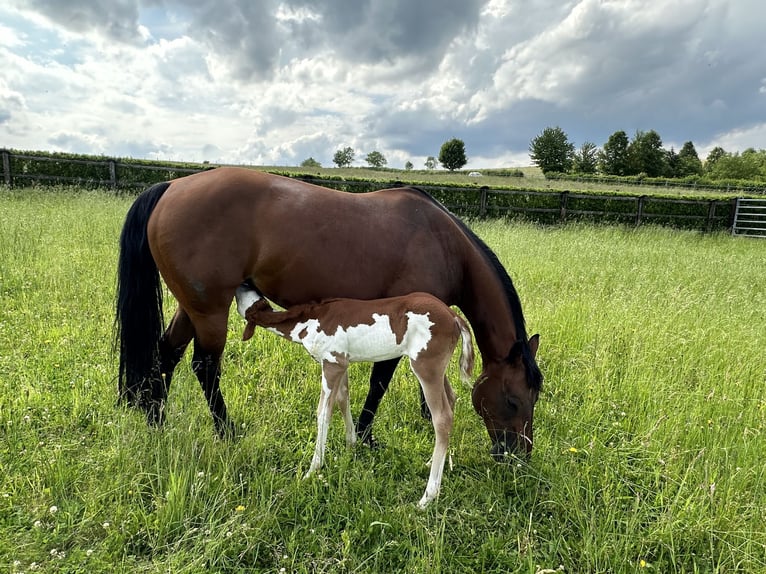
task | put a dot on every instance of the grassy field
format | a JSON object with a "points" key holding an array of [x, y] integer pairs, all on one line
{"points": [[650, 431], [533, 179]]}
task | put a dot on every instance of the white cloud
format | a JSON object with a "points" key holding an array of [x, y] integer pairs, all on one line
{"points": [[274, 82]]}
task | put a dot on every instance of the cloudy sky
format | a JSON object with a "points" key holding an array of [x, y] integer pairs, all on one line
{"points": [[272, 82]]}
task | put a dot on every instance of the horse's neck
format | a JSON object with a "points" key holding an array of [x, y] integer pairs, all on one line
{"points": [[488, 310]]}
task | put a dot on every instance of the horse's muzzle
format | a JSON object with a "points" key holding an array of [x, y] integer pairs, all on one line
{"points": [[508, 446]]}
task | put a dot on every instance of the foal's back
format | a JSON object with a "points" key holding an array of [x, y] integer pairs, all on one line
{"points": [[360, 330]]}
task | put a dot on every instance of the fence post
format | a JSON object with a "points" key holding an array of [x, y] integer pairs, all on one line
{"points": [[6, 167], [563, 206], [113, 174], [640, 209], [710, 216], [483, 201]]}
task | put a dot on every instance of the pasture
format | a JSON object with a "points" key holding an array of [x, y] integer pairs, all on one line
{"points": [[533, 179], [650, 433]]}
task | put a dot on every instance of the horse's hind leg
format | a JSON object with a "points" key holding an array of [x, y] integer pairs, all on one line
{"points": [[172, 346], [209, 341], [382, 372]]}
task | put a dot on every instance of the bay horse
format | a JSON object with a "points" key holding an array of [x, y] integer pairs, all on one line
{"points": [[207, 233], [337, 332]]}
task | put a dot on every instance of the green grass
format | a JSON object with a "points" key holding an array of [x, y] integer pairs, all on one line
{"points": [[649, 434], [533, 180]]}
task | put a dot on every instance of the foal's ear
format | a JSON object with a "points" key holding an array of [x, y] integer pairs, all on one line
{"points": [[249, 330], [534, 343]]}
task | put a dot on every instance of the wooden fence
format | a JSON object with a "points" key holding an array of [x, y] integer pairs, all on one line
{"points": [[542, 206], [24, 170], [557, 207]]}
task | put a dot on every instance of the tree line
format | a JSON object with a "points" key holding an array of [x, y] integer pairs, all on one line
{"points": [[645, 155], [451, 156]]}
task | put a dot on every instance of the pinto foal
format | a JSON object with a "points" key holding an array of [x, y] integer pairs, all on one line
{"points": [[337, 332]]}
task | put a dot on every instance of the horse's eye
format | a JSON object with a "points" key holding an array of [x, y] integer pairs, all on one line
{"points": [[513, 405]]}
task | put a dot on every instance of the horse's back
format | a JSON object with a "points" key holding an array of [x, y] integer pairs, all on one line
{"points": [[299, 242]]}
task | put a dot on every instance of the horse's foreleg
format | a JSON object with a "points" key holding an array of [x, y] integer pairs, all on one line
{"points": [[382, 372], [332, 379]]}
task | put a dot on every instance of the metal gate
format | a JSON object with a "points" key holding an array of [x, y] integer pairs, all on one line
{"points": [[750, 217]]}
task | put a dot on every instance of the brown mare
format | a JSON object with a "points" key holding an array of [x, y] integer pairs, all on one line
{"points": [[207, 233], [337, 332]]}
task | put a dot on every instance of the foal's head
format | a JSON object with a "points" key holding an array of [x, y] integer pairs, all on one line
{"points": [[505, 398]]}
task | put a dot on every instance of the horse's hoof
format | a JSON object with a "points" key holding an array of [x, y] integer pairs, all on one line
{"points": [[372, 443], [226, 430]]}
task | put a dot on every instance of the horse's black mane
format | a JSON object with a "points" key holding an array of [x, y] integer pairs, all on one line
{"points": [[534, 375]]}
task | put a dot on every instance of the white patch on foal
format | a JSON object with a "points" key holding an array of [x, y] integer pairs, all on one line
{"points": [[363, 343]]}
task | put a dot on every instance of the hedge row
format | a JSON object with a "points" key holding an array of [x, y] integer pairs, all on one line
{"points": [[724, 185], [28, 168]]}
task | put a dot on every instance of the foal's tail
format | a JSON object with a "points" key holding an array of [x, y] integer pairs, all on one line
{"points": [[139, 322], [466, 354]]}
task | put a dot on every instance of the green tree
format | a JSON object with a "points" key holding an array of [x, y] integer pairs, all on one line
{"points": [[452, 154], [552, 151], [408, 166], [672, 163], [645, 154], [431, 162], [749, 165], [715, 154], [586, 158], [376, 159], [613, 158], [344, 157], [688, 161], [310, 162]]}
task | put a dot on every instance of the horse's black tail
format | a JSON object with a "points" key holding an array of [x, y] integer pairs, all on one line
{"points": [[139, 321]]}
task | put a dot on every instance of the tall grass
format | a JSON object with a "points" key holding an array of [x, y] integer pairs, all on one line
{"points": [[649, 434]]}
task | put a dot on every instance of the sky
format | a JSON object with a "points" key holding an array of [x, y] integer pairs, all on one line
{"points": [[274, 82]]}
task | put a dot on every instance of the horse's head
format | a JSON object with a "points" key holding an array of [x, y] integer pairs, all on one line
{"points": [[505, 397]]}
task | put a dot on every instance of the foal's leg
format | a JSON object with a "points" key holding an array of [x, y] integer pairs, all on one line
{"points": [[209, 341], [424, 411], [344, 405], [332, 377], [434, 385], [380, 378]]}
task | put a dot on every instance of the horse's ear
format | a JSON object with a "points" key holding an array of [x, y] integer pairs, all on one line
{"points": [[534, 343], [515, 353]]}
